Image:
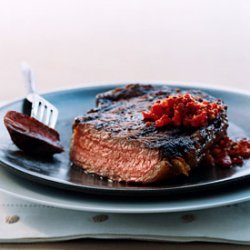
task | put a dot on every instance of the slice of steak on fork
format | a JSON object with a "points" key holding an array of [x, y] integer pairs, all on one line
{"points": [[113, 140]]}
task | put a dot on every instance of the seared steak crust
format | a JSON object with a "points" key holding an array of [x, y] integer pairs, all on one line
{"points": [[117, 120]]}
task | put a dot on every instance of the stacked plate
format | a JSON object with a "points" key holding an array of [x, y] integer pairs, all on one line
{"points": [[57, 183]]}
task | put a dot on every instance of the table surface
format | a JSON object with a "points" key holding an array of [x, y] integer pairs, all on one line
{"points": [[74, 42]]}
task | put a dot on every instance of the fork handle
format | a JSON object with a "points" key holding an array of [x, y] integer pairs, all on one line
{"points": [[28, 80]]}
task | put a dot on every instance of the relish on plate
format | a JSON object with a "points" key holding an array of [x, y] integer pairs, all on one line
{"points": [[227, 152], [182, 110]]}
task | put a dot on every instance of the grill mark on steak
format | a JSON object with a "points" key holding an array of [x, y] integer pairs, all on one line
{"points": [[118, 117]]}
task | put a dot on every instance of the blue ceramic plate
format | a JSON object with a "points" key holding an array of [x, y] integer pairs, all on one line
{"points": [[59, 173]]}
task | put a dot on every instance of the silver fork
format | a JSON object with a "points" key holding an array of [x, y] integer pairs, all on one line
{"points": [[41, 110]]}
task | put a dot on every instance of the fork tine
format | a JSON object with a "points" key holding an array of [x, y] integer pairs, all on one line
{"points": [[53, 118], [40, 114], [46, 116], [34, 110]]}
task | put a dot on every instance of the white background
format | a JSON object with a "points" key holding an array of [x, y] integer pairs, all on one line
{"points": [[69, 42]]}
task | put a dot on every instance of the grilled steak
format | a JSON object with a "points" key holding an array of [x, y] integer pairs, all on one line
{"points": [[112, 140]]}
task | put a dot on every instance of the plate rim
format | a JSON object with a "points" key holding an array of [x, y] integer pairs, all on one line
{"points": [[200, 85]]}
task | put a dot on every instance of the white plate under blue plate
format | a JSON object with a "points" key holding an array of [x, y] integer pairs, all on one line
{"points": [[21, 188]]}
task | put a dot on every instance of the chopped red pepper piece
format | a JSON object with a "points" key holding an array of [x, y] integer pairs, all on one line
{"points": [[182, 110]]}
